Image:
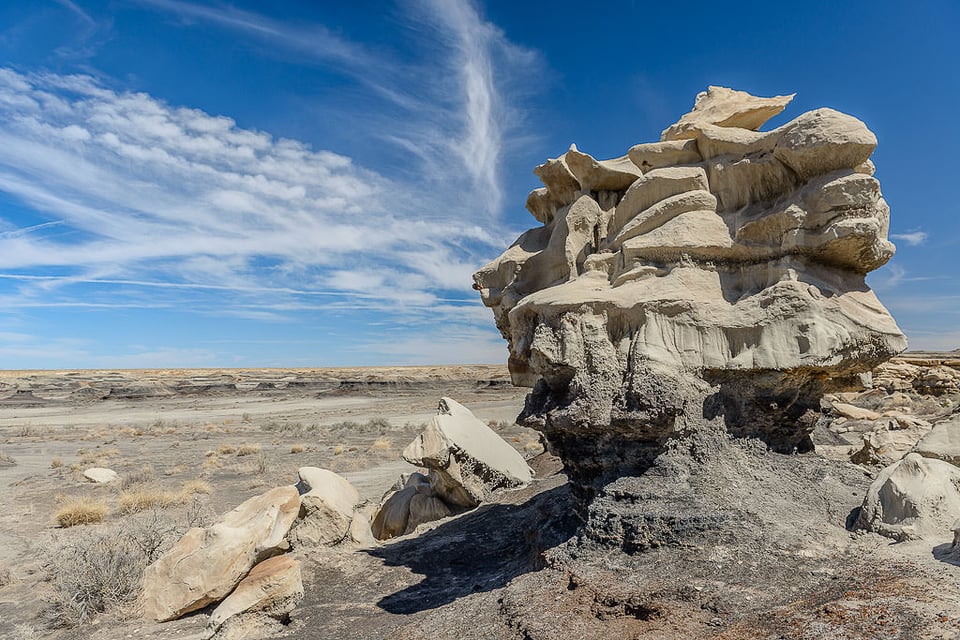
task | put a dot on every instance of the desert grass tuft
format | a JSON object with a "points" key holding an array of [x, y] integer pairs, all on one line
{"points": [[248, 449], [143, 498], [197, 486], [226, 449], [298, 448], [56, 463], [81, 510]]}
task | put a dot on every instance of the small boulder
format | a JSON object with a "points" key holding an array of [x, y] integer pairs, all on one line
{"points": [[206, 564], [101, 475], [415, 503], [852, 412], [272, 588], [942, 441], [915, 497], [327, 506]]}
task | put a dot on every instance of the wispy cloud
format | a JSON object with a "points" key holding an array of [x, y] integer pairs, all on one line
{"points": [[912, 238]]}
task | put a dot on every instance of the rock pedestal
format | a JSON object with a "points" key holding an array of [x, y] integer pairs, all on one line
{"points": [[713, 280]]}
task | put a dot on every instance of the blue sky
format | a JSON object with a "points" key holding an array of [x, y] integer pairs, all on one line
{"points": [[313, 183]]}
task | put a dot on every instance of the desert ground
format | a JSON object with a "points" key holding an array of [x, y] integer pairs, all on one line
{"points": [[189, 445]]}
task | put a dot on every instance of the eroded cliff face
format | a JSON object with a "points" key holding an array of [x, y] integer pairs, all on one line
{"points": [[714, 279]]}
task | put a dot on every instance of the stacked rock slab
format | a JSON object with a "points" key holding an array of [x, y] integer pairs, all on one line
{"points": [[712, 279]]}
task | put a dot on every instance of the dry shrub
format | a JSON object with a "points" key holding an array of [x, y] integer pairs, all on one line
{"points": [[298, 448], [248, 449], [226, 449], [338, 450], [144, 474], [381, 444], [209, 453], [96, 570], [210, 464], [197, 486], [109, 453], [173, 471], [56, 463], [81, 510], [533, 446]]}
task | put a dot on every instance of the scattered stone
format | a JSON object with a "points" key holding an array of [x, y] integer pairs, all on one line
{"points": [[101, 475], [405, 509], [206, 564], [888, 443], [915, 497], [327, 506], [274, 588]]}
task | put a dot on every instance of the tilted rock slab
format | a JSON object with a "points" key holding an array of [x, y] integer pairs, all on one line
{"points": [[274, 588], [206, 564], [466, 462], [720, 279], [466, 458], [915, 497], [101, 475]]}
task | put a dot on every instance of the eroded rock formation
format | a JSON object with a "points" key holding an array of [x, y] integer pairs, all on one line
{"points": [[712, 279]]}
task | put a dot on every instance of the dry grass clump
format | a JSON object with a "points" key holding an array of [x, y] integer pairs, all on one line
{"points": [[298, 448], [533, 446], [81, 510], [381, 444], [193, 487], [226, 449], [56, 463], [143, 498], [248, 449], [338, 450], [142, 475]]}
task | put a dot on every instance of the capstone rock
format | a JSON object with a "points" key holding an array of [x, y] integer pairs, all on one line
{"points": [[720, 286]]}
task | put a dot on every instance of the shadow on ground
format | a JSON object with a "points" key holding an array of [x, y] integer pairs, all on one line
{"points": [[946, 552], [479, 551]]}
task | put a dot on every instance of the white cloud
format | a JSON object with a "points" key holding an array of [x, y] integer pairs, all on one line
{"points": [[913, 238], [141, 204]]}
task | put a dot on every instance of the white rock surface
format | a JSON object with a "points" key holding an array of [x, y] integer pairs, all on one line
{"points": [[942, 441], [206, 564], [725, 107], [273, 587], [915, 497], [101, 475], [327, 507]]}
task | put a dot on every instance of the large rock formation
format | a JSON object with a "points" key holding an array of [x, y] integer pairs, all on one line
{"points": [[714, 279]]}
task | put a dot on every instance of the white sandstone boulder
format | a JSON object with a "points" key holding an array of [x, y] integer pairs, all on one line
{"points": [[915, 497], [206, 564], [101, 475], [469, 458], [273, 588], [327, 507], [942, 441]]}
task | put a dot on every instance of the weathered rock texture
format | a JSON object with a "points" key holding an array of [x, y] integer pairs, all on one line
{"points": [[206, 564], [713, 278], [915, 497]]}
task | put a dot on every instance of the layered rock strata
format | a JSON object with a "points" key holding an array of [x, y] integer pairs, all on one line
{"points": [[713, 279]]}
